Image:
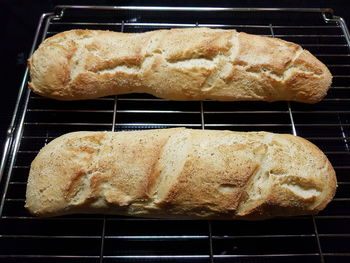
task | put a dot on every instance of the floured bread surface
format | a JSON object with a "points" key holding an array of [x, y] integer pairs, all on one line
{"points": [[180, 173], [177, 64]]}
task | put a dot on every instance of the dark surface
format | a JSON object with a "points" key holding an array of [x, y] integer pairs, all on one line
{"points": [[19, 19]]}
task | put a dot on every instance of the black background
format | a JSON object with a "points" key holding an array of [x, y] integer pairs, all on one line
{"points": [[19, 18]]}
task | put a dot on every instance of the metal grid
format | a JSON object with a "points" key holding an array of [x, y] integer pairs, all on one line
{"points": [[98, 238]]}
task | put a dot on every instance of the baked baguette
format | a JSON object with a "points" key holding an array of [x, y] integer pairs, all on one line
{"points": [[180, 173], [177, 64]]}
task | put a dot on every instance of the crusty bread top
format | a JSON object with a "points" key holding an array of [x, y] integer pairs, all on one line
{"points": [[180, 172], [177, 64]]}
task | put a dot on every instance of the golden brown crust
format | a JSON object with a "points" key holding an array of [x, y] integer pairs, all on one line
{"points": [[180, 173], [177, 64]]}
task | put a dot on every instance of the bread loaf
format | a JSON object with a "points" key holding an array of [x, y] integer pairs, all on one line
{"points": [[180, 173], [177, 64]]}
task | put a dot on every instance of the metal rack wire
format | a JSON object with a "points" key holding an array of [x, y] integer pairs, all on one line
{"points": [[98, 238]]}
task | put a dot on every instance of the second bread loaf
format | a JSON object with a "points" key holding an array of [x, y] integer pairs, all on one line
{"points": [[177, 64], [180, 173]]}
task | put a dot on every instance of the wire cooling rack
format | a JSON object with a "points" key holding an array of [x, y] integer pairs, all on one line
{"points": [[99, 238]]}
